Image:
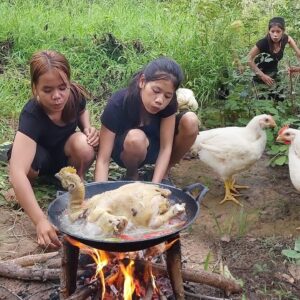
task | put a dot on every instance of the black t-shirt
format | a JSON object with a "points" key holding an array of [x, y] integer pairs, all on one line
{"points": [[36, 124], [267, 61], [114, 116]]}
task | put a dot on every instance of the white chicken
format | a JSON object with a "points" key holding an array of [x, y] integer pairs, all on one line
{"points": [[230, 150], [186, 100], [291, 136]]}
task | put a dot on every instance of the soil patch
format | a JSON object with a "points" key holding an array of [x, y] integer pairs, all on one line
{"points": [[246, 240]]}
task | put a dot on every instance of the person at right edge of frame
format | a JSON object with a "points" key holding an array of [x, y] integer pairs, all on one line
{"points": [[263, 58]]}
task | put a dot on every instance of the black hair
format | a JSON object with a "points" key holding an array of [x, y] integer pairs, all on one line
{"points": [[43, 61], [162, 68], [277, 21]]}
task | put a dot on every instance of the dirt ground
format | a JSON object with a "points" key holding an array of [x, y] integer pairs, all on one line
{"points": [[247, 240]]}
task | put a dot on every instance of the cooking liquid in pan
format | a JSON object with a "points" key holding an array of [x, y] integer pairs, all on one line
{"points": [[84, 229]]}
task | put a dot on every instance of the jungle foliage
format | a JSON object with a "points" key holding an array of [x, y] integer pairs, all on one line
{"points": [[108, 41]]}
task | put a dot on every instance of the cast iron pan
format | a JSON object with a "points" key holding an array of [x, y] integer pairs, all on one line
{"points": [[58, 206]]}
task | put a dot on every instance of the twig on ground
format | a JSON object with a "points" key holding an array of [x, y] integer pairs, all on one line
{"points": [[199, 296], [5, 292], [14, 224], [42, 291]]}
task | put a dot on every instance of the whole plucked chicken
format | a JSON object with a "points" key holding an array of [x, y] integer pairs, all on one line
{"points": [[291, 136], [144, 205], [231, 150]]}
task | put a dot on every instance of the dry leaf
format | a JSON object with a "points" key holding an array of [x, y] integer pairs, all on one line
{"points": [[295, 271], [284, 277], [226, 238]]}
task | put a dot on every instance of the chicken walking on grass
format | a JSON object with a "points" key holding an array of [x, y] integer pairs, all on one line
{"points": [[231, 150], [291, 136]]}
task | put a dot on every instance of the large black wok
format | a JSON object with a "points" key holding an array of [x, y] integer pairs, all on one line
{"points": [[58, 206]]}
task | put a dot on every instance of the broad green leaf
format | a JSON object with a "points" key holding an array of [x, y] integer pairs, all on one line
{"points": [[280, 161], [297, 245], [291, 253]]}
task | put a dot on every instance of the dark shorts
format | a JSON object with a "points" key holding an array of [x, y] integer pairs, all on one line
{"points": [[45, 162], [153, 148]]}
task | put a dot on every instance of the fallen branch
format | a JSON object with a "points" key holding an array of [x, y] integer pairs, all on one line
{"points": [[30, 260], [85, 291], [215, 280], [202, 297], [12, 270]]}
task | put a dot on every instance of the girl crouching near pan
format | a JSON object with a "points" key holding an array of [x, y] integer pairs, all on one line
{"points": [[47, 139], [140, 125]]}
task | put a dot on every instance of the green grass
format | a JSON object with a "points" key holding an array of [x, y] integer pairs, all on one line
{"points": [[142, 29], [107, 41]]}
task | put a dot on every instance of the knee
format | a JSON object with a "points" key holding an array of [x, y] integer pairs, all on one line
{"points": [[189, 124], [78, 147], [136, 141]]}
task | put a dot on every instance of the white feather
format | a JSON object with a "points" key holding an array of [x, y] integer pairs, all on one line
{"points": [[230, 150], [186, 99]]}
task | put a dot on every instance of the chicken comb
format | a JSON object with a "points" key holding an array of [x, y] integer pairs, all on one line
{"points": [[71, 170], [282, 129]]}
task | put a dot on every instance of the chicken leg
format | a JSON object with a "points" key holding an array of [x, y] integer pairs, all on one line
{"points": [[234, 187], [229, 196]]}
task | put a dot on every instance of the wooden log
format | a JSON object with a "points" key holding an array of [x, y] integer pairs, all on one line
{"points": [[12, 270], [69, 266], [201, 276], [85, 291], [174, 269], [30, 260]]}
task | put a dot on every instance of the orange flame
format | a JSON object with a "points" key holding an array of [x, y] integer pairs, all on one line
{"points": [[153, 279], [129, 285], [100, 257]]}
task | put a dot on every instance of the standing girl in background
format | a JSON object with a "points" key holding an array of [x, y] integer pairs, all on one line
{"points": [[265, 55], [140, 125], [46, 139]]}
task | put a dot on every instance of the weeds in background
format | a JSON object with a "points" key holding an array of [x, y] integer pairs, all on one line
{"points": [[236, 223]]}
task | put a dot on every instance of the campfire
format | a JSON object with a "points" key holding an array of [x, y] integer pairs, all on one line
{"points": [[117, 275], [120, 268]]}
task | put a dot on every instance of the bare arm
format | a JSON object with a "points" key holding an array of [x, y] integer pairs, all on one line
{"points": [[294, 46], [167, 127], [23, 152], [107, 139], [264, 77], [91, 132]]}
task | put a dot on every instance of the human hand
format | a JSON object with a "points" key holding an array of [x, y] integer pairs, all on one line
{"points": [[267, 79], [47, 234], [92, 136]]}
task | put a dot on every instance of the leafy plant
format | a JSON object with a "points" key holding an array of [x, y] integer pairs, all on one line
{"points": [[279, 152], [293, 254], [279, 155]]}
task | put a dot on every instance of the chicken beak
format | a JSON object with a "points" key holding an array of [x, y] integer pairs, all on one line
{"points": [[273, 124], [57, 176], [280, 138]]}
